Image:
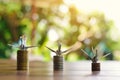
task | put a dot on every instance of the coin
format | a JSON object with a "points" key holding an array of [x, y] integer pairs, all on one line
{"points": [[22, 60], [95, 66], [58, 62]]}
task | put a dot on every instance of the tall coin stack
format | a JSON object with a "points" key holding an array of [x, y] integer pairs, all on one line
{"points": [[58, 62], [22, 60], [95, 66]]}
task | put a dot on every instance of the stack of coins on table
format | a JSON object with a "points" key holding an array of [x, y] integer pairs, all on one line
{"points": [[58, 62], [22, 60], [95, 66]]}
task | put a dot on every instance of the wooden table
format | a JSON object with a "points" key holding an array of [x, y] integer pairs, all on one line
{"points": [[110, 70]]}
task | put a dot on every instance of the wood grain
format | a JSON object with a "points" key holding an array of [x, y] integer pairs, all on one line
{"points": [[110, 70]]}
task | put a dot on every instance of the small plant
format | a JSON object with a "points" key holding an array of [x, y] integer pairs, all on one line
{"points": [[95, 58], [58, 52], [21, 44]]}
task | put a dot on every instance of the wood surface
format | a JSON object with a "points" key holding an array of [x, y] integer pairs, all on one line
{"points": [[81, 70]]}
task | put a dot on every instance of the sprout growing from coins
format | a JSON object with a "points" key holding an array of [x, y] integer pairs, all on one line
{"points": [[58, 52], [21, 44], [95, 53]]}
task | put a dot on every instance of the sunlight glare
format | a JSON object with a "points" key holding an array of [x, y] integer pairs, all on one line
{"points": [[108, 7], [52, 34]]}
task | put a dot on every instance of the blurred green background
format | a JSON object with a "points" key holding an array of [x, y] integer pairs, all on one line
{"points": [[45, 22]]}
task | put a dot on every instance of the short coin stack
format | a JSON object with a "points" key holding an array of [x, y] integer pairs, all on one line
{"points": [[95, 66], [58, 62], [22, 60]]}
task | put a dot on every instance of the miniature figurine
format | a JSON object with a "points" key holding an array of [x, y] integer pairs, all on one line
{"points": [[58, 58], [94, 59], [22, 53]]}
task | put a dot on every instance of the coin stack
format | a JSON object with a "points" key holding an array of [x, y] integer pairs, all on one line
{"points": [[58, 62], [22, 60], [95, 66]]}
